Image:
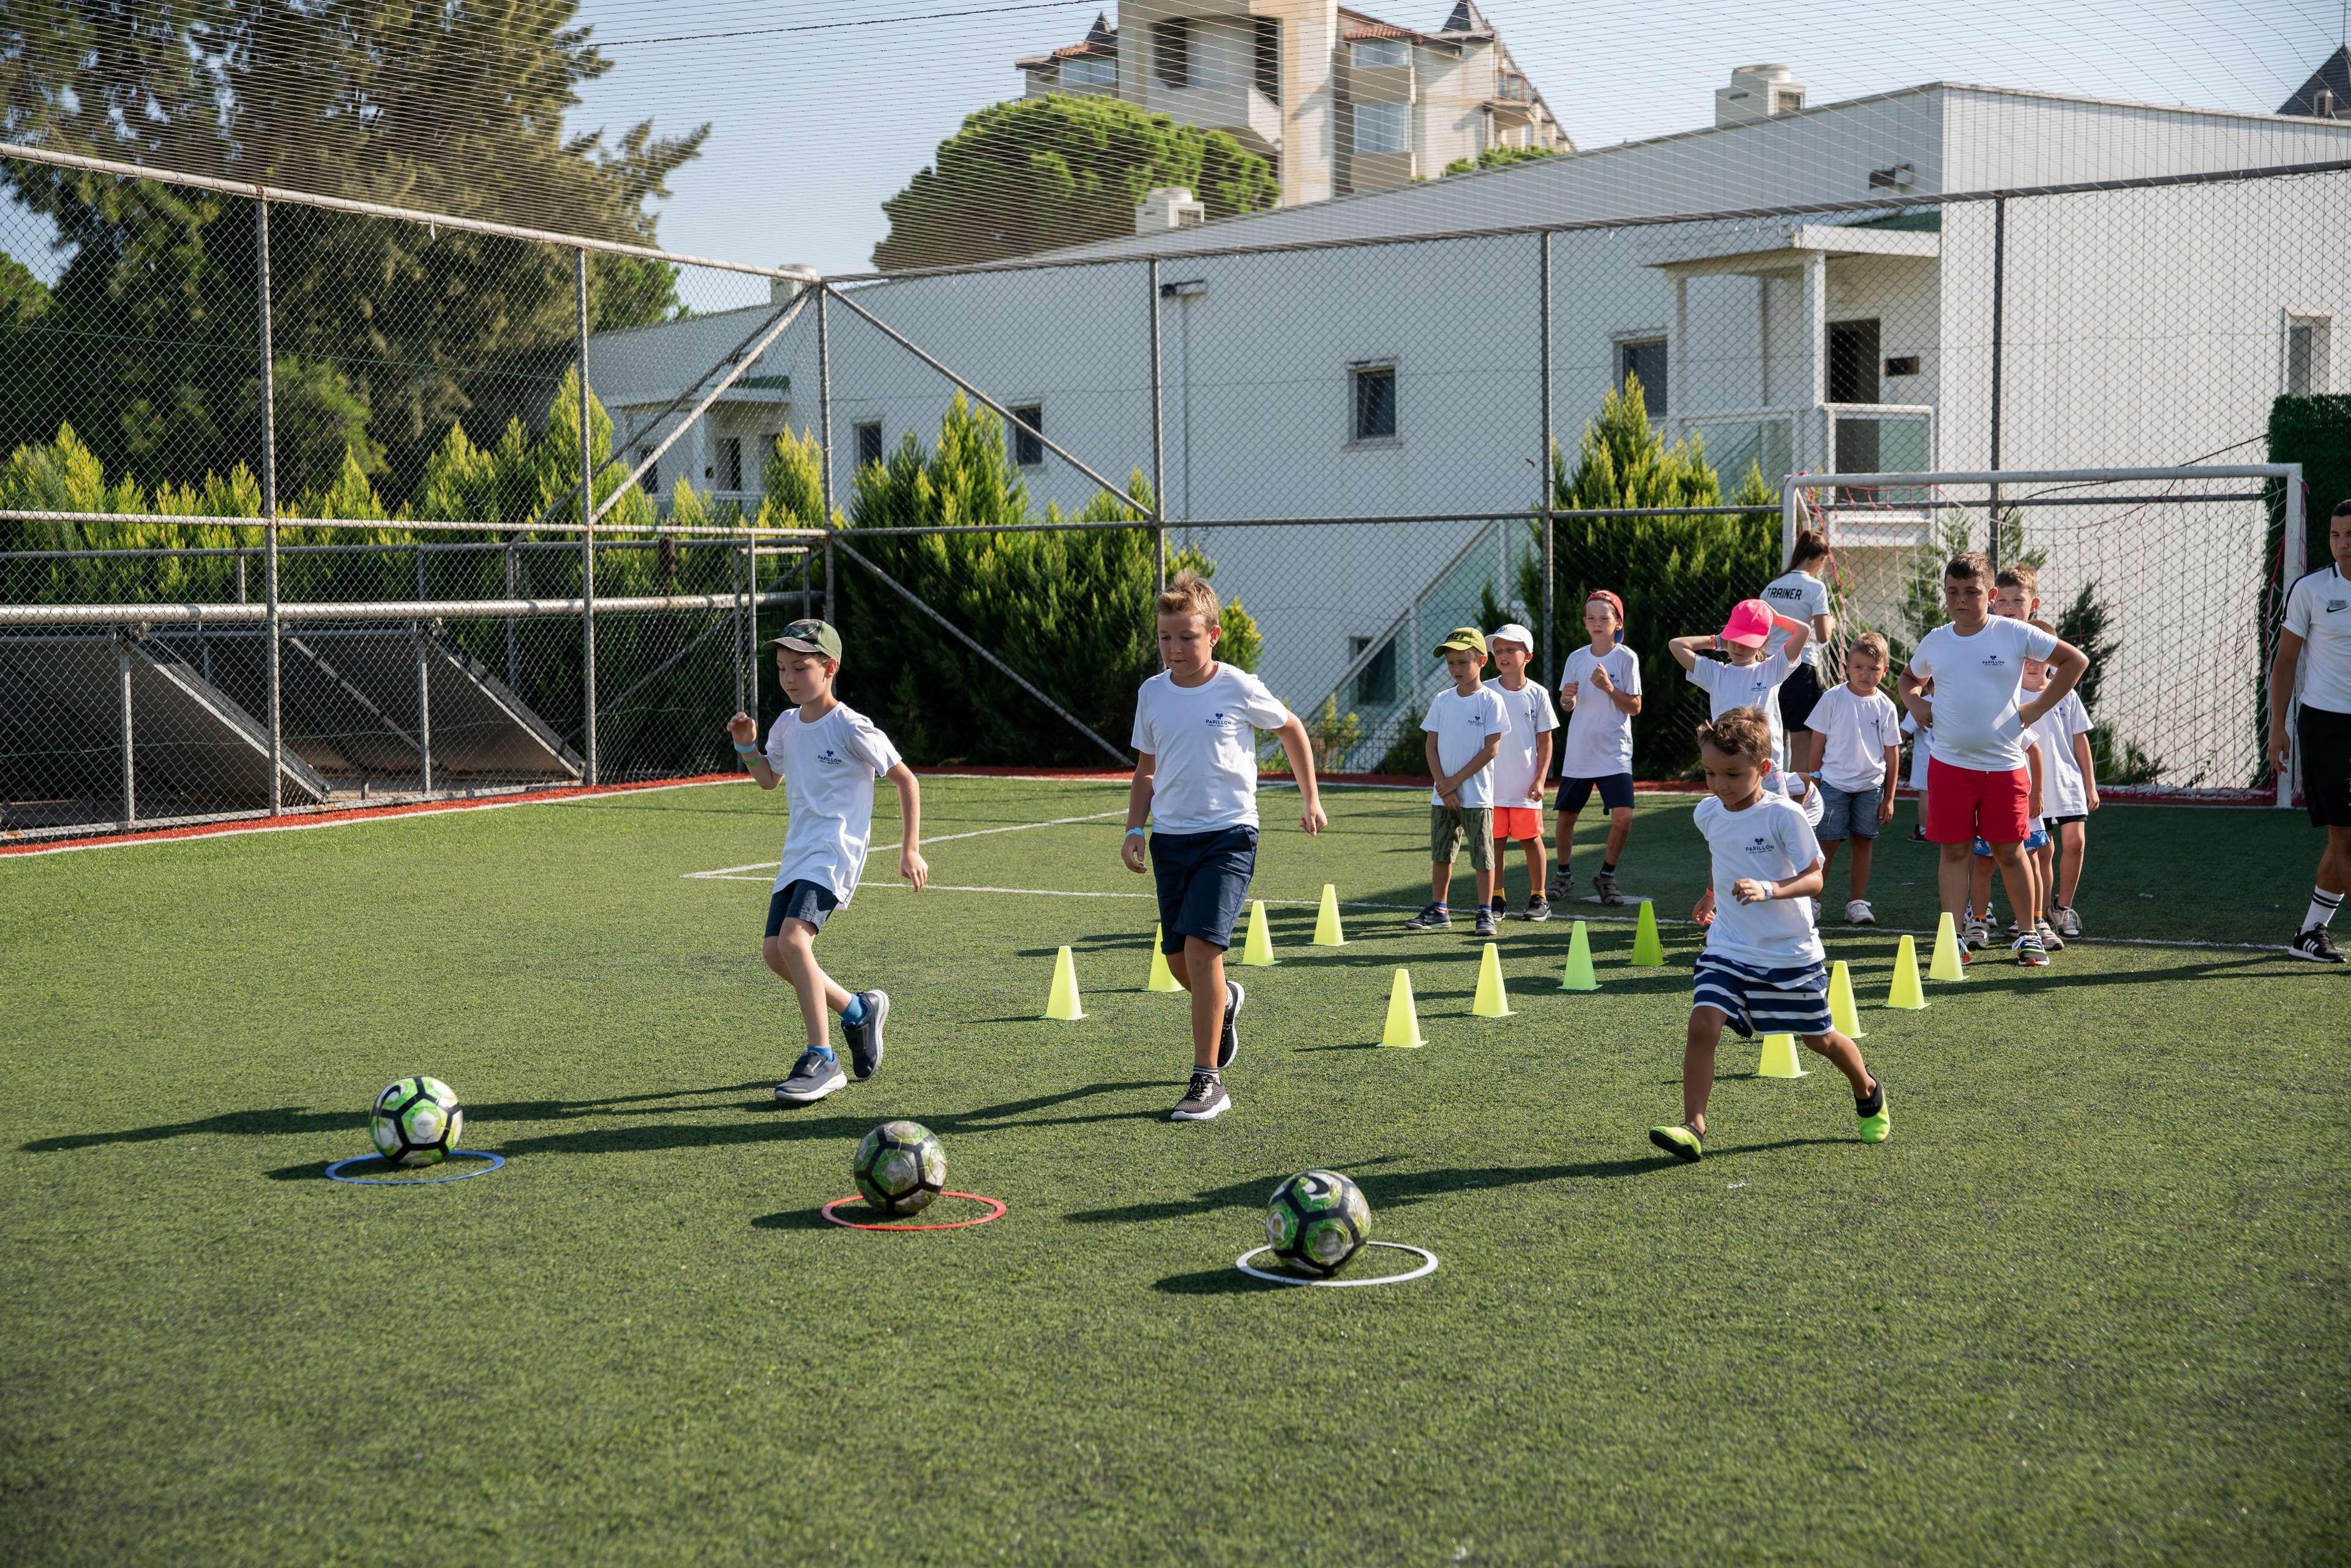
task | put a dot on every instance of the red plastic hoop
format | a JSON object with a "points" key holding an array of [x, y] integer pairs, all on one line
{"points": [[996, 1212]]}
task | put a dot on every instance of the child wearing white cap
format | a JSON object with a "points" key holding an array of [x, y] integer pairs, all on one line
{"points": [[1520, 767]]}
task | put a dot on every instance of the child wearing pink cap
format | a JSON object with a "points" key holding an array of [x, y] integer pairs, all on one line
{"points": [[1749, 679]]}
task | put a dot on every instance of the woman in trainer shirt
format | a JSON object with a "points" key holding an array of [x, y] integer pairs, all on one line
{"points": [[1800, 595], [2317, 642]]}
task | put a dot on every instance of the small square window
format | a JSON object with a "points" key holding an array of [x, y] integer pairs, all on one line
{"points": [[869, 442], [1028, 449], [2305, 355], [1379, 52], [1375, 402], [1902, 365], [1647, 359]]}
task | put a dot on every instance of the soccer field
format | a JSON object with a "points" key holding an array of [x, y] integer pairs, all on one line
{"points": [[2087, 1305]]}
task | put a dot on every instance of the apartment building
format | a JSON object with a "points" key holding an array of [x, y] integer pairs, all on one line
{"points": [[1338, 100]]}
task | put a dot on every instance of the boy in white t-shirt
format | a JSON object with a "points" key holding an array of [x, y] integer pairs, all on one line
{"points": [[1753, 679], [1462, 736], [1195, 739], [826, 755], [1763, 968], [1520, 766], [1602, 686], [1854, 758], [2069, 794]]}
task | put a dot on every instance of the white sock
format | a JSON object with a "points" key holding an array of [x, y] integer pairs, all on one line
{"points": [[2323, 905]]}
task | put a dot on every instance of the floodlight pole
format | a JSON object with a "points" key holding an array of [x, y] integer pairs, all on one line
{"points": [[270, 512], [1546, 651], [1158, 435], [587, 532], [824, 435]]}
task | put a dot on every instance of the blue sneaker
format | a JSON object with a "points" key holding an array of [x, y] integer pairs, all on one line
{"points": [[1432, 917], [864, 1039], [814, 1076]]}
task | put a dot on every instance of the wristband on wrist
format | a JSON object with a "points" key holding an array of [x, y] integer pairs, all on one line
{"points": [[743, 751], [1137, 833]]}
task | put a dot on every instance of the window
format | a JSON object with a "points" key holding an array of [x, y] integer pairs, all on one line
{"points": [[1380, 52], [2305, 355], [1787, 102], [1511, 85], [1645, 358], [1383, 127], [1171, 52], [1902, 365], [869, 442], [1027, 449], [730, 463], [1375, 682], [1089, 73], [651, 478], [1376, 402], [1269, 58], [1853, 363]]}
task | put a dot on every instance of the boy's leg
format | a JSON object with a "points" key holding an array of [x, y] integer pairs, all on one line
{"points": [[1845, 1056], [2016, 877], [1697, 1065], [1485, 865], [1829, 848], [792, 953], [1979, 886], [1441, 881], [1620, 829], [1864, 849], [1199, 968], [1563, 846], [2076, 837], [1954, 877]]}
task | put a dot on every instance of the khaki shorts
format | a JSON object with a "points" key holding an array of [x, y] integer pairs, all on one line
{"points": [[1448, 825]]}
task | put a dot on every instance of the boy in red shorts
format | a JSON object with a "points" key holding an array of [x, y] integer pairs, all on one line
{"points": [[1978, 782], [1520, 767]]}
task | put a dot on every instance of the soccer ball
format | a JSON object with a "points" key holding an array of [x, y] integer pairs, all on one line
{"points": [[900, 1167], [1318, 1219], [416, 1122]]}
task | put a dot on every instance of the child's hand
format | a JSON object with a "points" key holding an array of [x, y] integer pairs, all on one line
{"points": [[1600, 680], [1569, 688], [1133, 851], [1747, 890], [1703, 911], [2090, 802], [742, 728], [1451, 796], [1534, 794], [1314, 818], [1885, 808], [913, 867], [2032, 803]]}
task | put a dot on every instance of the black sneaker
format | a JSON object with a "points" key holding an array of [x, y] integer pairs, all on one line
{"points": [[1432, 917], [1604, 886], [814, 1076], [2316, 945], [1228, 1043], [1560, 885], [1204, 1101], [1538, 908], [1919, 836], [864, 1039], [1486, 919], [1500, 907]]}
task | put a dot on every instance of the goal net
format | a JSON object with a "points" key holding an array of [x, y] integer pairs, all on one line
{"points": [[2171, 579]]}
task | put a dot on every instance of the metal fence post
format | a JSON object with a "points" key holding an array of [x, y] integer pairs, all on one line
{"points": [[130, 768], [1549, 651], [514, 649], [587, 534], [269, 515], [423, 705], [1999, 309], [1158, 435], [824, 430]]}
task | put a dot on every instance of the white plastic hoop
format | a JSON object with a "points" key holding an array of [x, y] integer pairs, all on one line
{"points": [[1242, 1263]]}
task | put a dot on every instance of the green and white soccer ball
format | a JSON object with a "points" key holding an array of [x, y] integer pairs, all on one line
{"points": [[900, 1167], [1318, 1219], [416, 1122]]}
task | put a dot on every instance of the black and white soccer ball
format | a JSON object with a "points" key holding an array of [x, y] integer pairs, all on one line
{"points": [[900, 1167], [416, 1122], [1318, 1220]]}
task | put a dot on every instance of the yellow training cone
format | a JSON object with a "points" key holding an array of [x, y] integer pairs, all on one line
{"points": [[1945, 966], [1844, 1016], [1493, 1002], [1647, 948], [1904, 992], [1326, 922], [1779, 1058], [1163, 978], [1579, 975], [1404, 1025], [1258, 951], [1063, 1003]]}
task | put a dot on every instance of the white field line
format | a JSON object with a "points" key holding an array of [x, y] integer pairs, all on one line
{"points": [[727, 874]]}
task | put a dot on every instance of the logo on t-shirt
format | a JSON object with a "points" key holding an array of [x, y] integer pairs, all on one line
{"points": [[828, 754], [2336, 605], [1991, 661], [1759, 845], [1783, 593]]}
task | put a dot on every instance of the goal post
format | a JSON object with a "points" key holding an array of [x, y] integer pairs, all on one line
{"points": [[2175, 576]]}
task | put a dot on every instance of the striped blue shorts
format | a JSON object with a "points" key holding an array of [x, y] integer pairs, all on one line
{"points": [[1772, 1001]]}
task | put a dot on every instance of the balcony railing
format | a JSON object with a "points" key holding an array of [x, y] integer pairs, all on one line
{"points": [[1829, 438]]}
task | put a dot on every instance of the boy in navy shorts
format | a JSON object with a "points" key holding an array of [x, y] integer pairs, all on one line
{"points": [[1196, 727]]}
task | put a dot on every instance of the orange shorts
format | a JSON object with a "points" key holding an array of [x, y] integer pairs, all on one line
{"points": [[1516, 824]]}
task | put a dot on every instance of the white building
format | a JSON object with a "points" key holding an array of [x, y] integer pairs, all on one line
{"points": [[2141, 327]]}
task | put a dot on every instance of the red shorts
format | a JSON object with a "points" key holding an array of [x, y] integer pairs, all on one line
{"points": [[1516, 824], [1964, 804]]}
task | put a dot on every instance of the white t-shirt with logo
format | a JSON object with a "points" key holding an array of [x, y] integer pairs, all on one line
{"points": [[1461, 725], [1729, 685], [1976, 691], [1598, 734], [2062, 790], [1202, 744], [1917, 752], [1859, 729], [1799, 596], [1532, 717], [828, 768], [1771, 842], [2318, 611]]}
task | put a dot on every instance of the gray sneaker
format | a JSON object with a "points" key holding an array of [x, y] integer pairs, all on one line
{"points": [[1561, 883], [864, 1039], [814, 1076], [1604, 885], [1538, 908], [1976, 934], [1486, 927], [1204, 1101], [1432, 917], [2050, 941], [1229, 1045], [2067, 923]]}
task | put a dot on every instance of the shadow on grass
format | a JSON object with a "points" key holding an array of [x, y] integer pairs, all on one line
{"points": [[1385, 1189], [1228, 1281], [793, 1219]]}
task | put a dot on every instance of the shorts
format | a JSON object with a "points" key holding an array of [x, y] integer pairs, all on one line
{"points": [[1848, 813], [2322, 746], [1448, 825], [1963, 803], [1811, 805], [802, 900], [1517, 824], [1615, 792], [1798, 694], [1794, 1000], [1204, 881], [2038, 839], [2054, 823]]}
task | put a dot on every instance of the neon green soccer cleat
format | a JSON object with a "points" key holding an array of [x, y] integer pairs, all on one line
{"points": [[1876, 1125], [1683, 1142]]}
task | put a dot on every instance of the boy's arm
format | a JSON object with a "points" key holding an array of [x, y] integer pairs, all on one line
{"points": [[2083, 761], [1886, 791], [1300, 748], [1542, 764], [1816, 747], [2033, 795], [1134, 846], [1799, 634], [1435, 771], [2282, 669], [1913, 686], [744, 731], [910, 863], [2066, 665], [1685, 649], [1805, 883]]}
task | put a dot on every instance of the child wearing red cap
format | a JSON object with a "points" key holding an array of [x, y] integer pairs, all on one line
{"points": [[1601, 687], [1752, 680]]}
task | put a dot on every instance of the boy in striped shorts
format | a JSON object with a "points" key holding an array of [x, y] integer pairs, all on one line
{"points": [[1764, 968]]}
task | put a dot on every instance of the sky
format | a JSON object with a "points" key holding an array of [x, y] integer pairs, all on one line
{"points": [[814, 127]]}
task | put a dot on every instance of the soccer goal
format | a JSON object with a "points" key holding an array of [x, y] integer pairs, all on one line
{"points": [[2172, 579]]}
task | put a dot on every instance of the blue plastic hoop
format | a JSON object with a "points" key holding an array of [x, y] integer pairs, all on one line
{"points": [[498, 1162]]}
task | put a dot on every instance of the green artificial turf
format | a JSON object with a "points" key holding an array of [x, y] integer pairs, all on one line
{"points": [[2087, 1305]]}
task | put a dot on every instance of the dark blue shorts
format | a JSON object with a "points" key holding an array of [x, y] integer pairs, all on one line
{"points": [[1615, 792], [1204, 879], [801, 900]]}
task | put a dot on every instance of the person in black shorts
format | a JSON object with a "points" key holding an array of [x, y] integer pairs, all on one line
{"points": [[1800, 595], [2315, 643]]}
